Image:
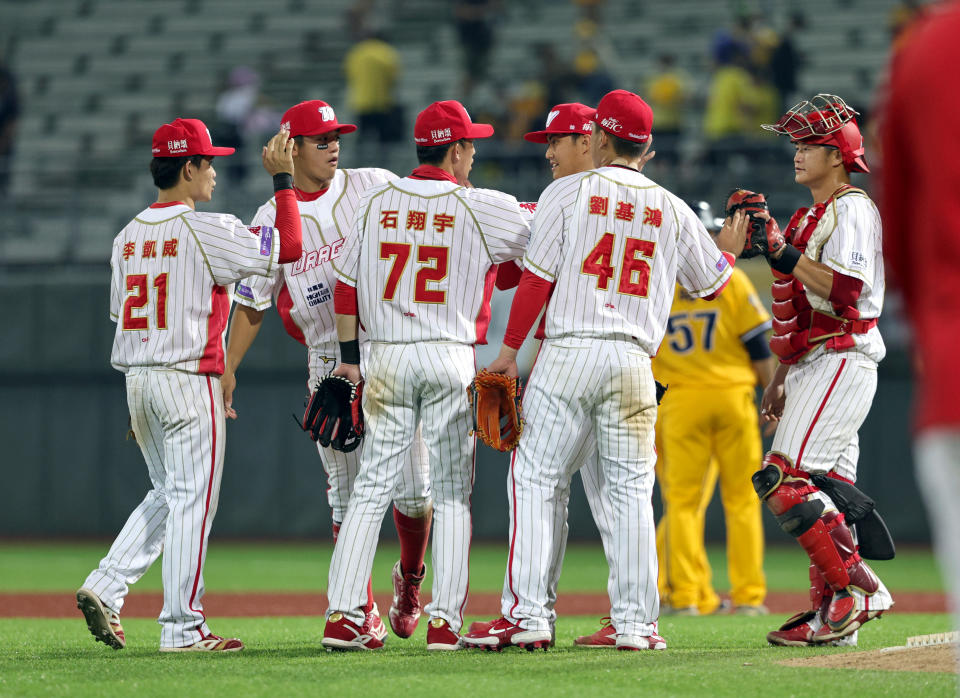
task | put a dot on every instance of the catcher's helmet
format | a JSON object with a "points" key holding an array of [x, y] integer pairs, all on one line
{"points": [[825, 120]]}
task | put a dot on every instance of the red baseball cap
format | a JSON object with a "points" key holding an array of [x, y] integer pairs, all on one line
{"points": [[313, 118], [625, 115], [446, 122], [564, 119], [182, 137]]}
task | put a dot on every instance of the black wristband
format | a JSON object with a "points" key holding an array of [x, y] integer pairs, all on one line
{"points": [[282, 180], [788, 260], [350, 352]]}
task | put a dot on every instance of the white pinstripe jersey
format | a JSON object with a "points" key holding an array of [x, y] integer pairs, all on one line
{"points": [[615, 243], [848, 239], [173, 269], [303, 290], [422, 255]]}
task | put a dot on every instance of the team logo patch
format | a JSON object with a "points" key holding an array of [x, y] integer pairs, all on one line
{"points": [[550, 117], [611, 124], [245, 291], [266, 240], [722, 263], [530, 206], [858, 260]]}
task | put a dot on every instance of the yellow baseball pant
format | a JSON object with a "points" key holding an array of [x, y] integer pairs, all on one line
{"points": [[696, 427]]}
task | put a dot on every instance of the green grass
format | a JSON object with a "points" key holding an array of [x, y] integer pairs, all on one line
{"points": [[709, 656], [303, 567]]}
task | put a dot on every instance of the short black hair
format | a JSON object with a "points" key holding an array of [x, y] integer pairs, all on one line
{"points": [[625, 148], [434, 154], [166, 171]]}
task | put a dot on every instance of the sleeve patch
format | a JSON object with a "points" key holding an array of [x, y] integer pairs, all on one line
{"points": [[858, 260], [722, 263], [244, 291], [266, 239]]}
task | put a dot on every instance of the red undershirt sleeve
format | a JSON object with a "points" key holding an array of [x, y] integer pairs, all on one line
{"points": [[845, 290], [532, 293], [288, 226], [345, 299]]}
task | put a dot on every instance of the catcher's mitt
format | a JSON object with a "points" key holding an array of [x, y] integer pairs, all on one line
{"points": [[495, 402], [333, 415], [763, 237]]}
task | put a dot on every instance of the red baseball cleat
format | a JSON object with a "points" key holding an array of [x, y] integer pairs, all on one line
{"points": [[405, 610], [343, 634], [441, 637], [606, 636], [502, 633]]}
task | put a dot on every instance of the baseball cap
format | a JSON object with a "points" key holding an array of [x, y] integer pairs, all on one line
{"points": [[625, 115], [183, 137], [446, 122], [564, 119], [313, 118]]}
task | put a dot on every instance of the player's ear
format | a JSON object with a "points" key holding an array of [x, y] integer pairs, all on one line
{"points": [[187, 171]]}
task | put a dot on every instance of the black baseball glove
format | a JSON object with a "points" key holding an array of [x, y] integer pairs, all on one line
{"points": [[763, 236], [333, 416]]}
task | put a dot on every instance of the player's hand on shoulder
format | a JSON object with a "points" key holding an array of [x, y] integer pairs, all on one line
{"points": [[228, 383], [278, 153], [349, 371]]}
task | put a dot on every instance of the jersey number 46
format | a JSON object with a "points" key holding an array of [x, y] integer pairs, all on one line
{"points": [[634, 268]]}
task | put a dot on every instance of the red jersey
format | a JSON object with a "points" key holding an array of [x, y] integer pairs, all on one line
{"points": [[921, 206]]}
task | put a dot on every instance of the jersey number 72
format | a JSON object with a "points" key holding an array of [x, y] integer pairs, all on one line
{"points": [[634, 269], [435, 259]]}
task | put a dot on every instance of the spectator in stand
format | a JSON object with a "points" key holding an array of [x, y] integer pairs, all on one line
{"points": [[668, 94], [786, 61], [243, 114], [592, 78], [372, 68], [9, 113], [475, 24], [731, 102]]}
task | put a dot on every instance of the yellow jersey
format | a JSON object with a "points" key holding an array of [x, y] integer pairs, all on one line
{"points": [[704, 342]]}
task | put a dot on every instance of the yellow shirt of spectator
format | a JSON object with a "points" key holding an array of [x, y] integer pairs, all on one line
{"points": [[704, 343]]}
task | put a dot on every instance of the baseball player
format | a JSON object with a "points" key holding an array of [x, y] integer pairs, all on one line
{"points": [[828, 294], [327, 197], [610, 244], [173, 271], [922, 228], [712, 357], [419, 269]]}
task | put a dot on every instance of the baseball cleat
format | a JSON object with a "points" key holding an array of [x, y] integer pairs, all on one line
{"points": [[209, 643], [751, 610], [606, 636], [850, 608], [635, 643], [103, 623], [502, 633], [343, 634], [441, 637], [404, 612]]}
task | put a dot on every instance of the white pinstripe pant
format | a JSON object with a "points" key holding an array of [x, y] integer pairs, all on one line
{"points": [[828, 396], [412, 497], [407, 384], [586, 398], [179, 423]]}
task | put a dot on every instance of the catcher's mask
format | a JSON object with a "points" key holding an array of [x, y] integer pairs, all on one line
{"points": [[825, 120]]}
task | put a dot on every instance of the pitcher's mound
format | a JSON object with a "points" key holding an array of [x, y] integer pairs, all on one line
{"points": [[939, 658]]}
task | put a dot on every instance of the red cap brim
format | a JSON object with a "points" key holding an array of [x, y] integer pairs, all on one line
{"points": [[214, 150], [342, 128], [537, 136], [479, 131]]}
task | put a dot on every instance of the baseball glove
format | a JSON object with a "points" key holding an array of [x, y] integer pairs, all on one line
{"points": [[495, 402], [763, 237], [333, 415]]}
